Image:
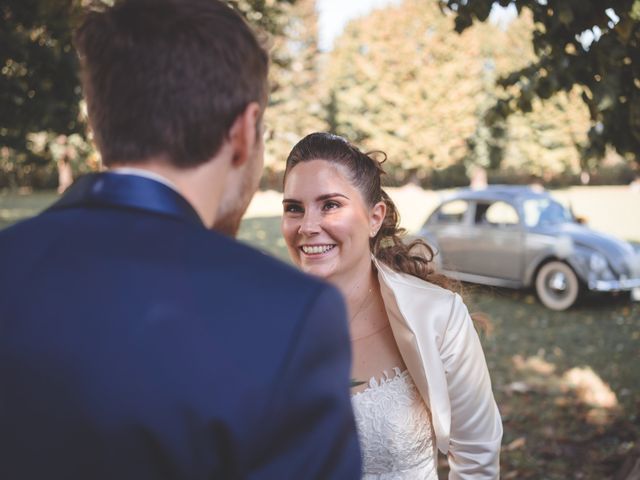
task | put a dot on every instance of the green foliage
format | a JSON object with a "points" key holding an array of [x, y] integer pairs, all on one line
{"points": [[607, 70], [400, 81], [40, 95], [295, 104], [390, 78], [267, 15], [38, 79]]}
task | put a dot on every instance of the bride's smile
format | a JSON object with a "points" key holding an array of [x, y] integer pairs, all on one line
{"points": [[316, 250]]}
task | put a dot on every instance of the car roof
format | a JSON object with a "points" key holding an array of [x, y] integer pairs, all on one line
{"points": [[498, 192]]}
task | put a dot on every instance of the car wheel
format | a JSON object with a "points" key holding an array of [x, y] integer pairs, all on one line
{"points": [[557, 285]]}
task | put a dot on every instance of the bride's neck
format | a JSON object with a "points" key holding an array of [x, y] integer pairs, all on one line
{"points": [[357, 290]]}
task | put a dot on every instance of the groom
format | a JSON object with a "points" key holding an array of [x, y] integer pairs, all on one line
{"points": [[134, 341]]}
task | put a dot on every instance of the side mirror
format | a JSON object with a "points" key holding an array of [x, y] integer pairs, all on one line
{"points": [[581, 220]]}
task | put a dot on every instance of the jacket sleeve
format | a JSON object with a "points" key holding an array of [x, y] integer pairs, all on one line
{"points": [[476, 427], [309, 418]]}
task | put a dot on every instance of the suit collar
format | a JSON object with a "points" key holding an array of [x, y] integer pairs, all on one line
{"points": [[129, 192], [142, 172]]}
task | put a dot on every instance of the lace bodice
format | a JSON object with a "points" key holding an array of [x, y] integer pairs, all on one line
{"points": [[395, 431]]}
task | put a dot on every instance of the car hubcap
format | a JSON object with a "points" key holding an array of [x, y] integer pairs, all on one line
{"points": [[558, 282]]}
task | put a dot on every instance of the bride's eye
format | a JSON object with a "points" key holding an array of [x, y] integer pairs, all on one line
{"points": [[331, 204], [292, 208]]}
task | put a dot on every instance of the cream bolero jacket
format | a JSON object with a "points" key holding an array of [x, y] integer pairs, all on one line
{"points": [[442, 352]]}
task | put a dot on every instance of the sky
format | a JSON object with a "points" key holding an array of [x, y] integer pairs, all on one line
{"points": [[335, 14]]}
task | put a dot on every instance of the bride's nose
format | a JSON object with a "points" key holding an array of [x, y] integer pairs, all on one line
{"points": [[310, 224]]}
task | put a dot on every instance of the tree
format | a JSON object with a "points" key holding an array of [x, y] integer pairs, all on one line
{"points": [[41, 124], [591, 44], [546, 142], [38, 80], [295, 104], [400, 80], [268, 16], [391, 75]]}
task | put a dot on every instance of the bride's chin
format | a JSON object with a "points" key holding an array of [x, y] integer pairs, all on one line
{"points": [[316, 271], [311, 271]]}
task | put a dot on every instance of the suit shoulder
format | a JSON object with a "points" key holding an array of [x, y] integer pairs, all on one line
{"points": [[18, 228], [25, 233]]}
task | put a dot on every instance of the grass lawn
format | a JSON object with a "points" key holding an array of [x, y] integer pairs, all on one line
{"points": [[568, 384], [14, 207]]}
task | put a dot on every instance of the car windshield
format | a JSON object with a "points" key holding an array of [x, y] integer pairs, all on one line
{"points": [[545, 211]]}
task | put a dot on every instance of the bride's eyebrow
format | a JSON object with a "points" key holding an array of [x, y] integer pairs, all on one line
{"points": [[326, 196]]}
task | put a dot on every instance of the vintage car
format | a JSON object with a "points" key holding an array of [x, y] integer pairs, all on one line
{"points": [[514, 236]]}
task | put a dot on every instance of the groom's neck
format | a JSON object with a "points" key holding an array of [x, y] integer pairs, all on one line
{"points": [[201, 185]]}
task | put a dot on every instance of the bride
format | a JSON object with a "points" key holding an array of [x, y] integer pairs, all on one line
{"points": [[426, 386]]}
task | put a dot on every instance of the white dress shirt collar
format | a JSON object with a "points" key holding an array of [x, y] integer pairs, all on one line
{"points": [[141, 172]]}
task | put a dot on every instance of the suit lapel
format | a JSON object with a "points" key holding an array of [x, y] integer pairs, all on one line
{"points": [[128, 192]]}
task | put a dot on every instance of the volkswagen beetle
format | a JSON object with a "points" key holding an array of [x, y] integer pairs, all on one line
{"points": [[518, 237]]}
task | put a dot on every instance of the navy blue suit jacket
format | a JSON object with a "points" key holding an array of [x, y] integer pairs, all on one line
{"points": [[136, 343]]}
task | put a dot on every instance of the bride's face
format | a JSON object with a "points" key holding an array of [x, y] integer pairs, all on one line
{"points": [[326, 222]]}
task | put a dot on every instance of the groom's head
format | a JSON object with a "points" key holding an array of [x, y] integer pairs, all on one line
{"points": [[167, 79]]}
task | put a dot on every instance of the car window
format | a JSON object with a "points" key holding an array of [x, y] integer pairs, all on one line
{"points": [[497, 213], [545, 211], [452, 212]]}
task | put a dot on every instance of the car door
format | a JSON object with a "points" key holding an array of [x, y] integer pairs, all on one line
{"points": [[450, 225], [498, 241]]}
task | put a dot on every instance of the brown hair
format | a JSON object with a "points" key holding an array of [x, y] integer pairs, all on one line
{"points": [[167, 77], [365, 172]]}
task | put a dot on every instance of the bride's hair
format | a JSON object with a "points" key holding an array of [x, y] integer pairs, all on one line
{"points": [[365, 172]]}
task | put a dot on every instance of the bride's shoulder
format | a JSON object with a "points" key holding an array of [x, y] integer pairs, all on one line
{"points": [[401, 280], [415, 296]]}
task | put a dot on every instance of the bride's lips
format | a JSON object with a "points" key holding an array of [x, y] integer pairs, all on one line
{"points": [[316, 250]]}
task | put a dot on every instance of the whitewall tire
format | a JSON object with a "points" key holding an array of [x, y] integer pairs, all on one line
{"points": [[557, 285]]}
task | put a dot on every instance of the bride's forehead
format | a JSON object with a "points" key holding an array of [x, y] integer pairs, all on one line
{"points": [[318, 174]]}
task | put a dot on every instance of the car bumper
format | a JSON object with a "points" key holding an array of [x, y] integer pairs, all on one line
{"points": [[614, 285]]}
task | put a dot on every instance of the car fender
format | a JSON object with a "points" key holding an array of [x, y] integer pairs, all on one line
{"points": [[575, 261]]}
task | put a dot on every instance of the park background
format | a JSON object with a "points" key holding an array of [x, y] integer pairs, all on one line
{"points": [[453, 91]]}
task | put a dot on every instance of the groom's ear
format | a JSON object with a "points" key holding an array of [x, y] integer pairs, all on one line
{"points": [[245, 133]]}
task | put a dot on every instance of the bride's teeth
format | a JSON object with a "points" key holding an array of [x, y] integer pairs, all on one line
{"points": [[316, 249]]}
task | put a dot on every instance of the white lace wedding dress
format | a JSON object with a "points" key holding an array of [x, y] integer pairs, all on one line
{"points": [[395, 431]]}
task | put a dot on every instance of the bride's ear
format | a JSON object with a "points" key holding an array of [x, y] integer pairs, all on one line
{"points": [[376, 217]]}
